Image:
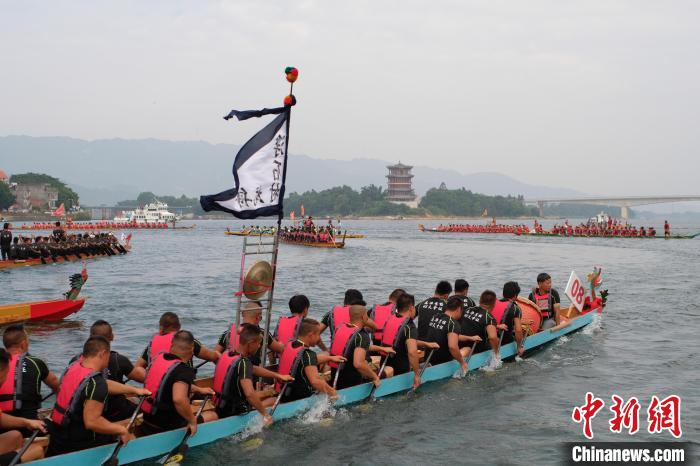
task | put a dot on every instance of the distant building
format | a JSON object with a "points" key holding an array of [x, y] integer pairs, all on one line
{"points": [[34, 196], [400, 189], [4, 178]]}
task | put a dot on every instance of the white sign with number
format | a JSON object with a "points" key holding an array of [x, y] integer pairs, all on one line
{"points": [[576, 291]]}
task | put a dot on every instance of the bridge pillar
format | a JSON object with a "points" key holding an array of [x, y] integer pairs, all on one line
{"points": [[624, 212], [540, 206]]}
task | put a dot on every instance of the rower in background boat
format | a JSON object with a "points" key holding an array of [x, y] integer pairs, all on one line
{"points": [[20, 394], [506, 311], [401, 334], [461, 291], [11, 441], [169, 325], [170, 381], [300, 362], [380, 314], [353, 342], [431, 307], [444, 329], [478, 321], [233, 379], [547, 300], [288, 326], [76, 421], [5, 242], [120, 369]]}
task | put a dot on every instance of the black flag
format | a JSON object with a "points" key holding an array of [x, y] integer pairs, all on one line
{"points": [[258, 171]]}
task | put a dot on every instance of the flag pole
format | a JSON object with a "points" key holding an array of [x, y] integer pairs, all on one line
{"points": [[289, 101]]}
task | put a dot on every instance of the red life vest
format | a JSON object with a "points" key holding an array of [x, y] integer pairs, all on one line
{"points": [[544, 303], [288, 328], [381, 315], [498, 310], [391, 330], [156, 375], [233, 337], [223, 376], [341, 341], [73, 382], [160, 344], [339, 315], [11, 395], [290, 359]]}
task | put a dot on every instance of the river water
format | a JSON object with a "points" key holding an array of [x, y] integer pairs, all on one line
{"points": [[646, 344]]}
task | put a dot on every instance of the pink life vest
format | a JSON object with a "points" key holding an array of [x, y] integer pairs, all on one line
{"points": [[223, 375], [381, 315], [341, 341], [288, 328], [233, 337], [73, 382], [544, 303], [498, 310], [158, 371], [339, 315], [160, 344], [11, 395], [289, 361], [391, 330]]}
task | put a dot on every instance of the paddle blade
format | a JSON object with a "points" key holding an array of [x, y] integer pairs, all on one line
{"points": [[112, 461], [175, 456]]}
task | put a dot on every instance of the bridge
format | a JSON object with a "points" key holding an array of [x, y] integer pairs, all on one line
{"points": [[623, 202]]}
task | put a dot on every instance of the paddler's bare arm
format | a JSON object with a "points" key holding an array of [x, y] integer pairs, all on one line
{"points": [[138, 374], [208, 355], [254, 399], [116, 388], [519, 335], [262, 372], [219, 349], [427, 344], [453, 346], [360, 363], [557, 313], [276, 346], [140, 362], [465, 338], [52, 382], [413, 359], [93, 420], [382, 349], [493, 338], [325, 357], [181, 400], [316, 381]]}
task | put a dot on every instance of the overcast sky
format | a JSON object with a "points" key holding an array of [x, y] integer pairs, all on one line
{"points": [[602, 96]]}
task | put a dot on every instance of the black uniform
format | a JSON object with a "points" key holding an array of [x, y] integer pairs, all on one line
{"points": [[425, 312], [167, 417], [439, 327], [75, 436], [301, 387], [509, 315], [467, 302], [236, 403], [349, 376], [474, 323], [400, 361], [34, 371], [5, 243], [256, 359]]}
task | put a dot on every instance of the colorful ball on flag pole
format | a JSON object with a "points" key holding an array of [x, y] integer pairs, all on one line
{"points": [[292, 73], [290, 100]]}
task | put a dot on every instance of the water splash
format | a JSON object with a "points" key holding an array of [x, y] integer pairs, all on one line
{"points": [[254, 427], [493, 364], [594, 326], [562, 340], [320, 412]]}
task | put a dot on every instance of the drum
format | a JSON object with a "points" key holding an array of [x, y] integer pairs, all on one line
{"points": [[532, 318]]}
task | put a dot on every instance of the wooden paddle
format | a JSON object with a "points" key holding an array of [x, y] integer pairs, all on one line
{"points": [[279, 398], [422, 369], [47, 397], [113, 460], [27, 444], [177, 454], [200, 365], [337, 373], [379, 374]]}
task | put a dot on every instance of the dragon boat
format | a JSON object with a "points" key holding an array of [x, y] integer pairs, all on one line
{"points": [[270, 234], [51, 310], [156, 445], [17, 263], [549, 234], [315, 244]]}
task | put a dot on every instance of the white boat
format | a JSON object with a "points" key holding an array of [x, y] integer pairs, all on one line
{"points": [[155, 212]]}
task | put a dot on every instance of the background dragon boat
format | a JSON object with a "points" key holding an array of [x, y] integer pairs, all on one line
{"points": [[315, 244], [155, 445], [268, 233], [559, 235], [13, 264], [51, 310]]}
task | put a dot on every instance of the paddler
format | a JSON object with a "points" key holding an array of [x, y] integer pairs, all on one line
{"points": [[169, 324], [506, 311], [478, 321], [12, 440], [76, 421], [340, 315], [20, 394], [5, 242], [233, 378], [401, 334], [667, 229], [461, 291], [300, 362], [444, 330], [119, 369], [380, 314], [547, 300], [170, 379], [288, 326], [431, 307], [251, 313], [353, 342]]}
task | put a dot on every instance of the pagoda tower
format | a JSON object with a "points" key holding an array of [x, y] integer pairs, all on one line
{"points": [[400, 188]]}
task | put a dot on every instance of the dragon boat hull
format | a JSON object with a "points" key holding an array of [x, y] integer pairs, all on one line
{"points": [[314, 244], [159, 444], [40, 310]]}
